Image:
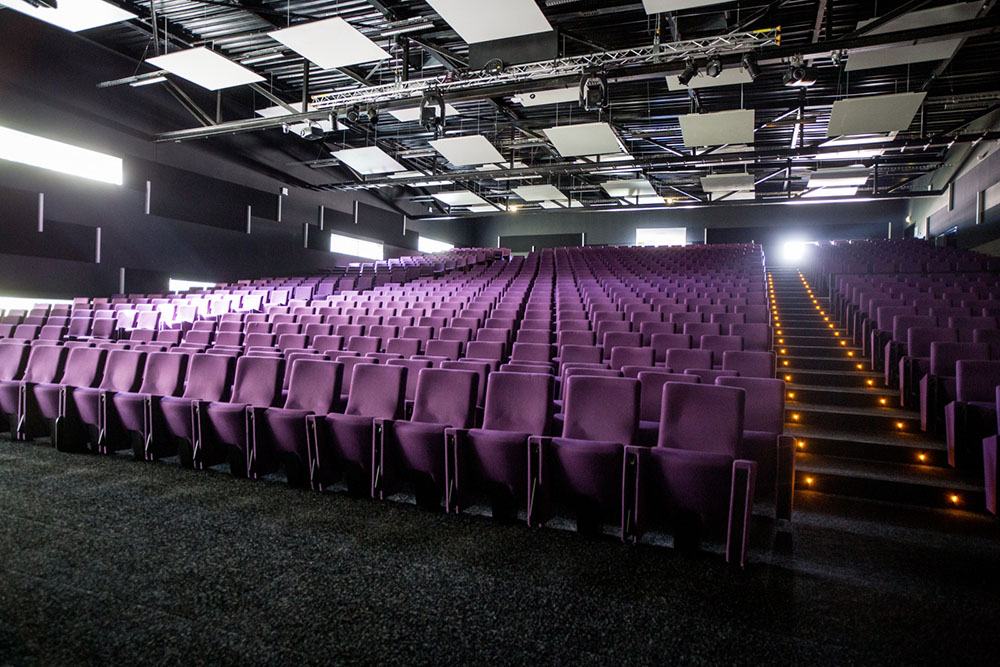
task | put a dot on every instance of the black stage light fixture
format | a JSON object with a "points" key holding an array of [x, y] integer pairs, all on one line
{"points": [[798, 74], [594, 91], [690, 70], [353, 113], [749, 63], [313, 133], [373, 115], [432, 112], [713, 67]]}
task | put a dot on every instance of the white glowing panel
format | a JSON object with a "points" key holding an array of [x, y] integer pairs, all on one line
{"points": [[860, 139], [847, 191], [916, 51], [487, 208], [542, 97], [643, 200], [659, 6], [325, 124], [728, 77], [714, 129], [538, 192], [330, 43], [659, 236], [347, 245], [584, 139], [54, 155], [179, 285], [727, 182], [413, 115], [462, 151], [495, 167], [877, 113], [73, 15], [206, 68], [822, 178], [486, 20], [460, 198], [741, 195], [425, 244], [368, 160], [629, 189]]}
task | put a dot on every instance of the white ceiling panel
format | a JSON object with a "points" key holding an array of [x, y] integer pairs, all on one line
{"points": [[739, 195], [822, 178], [584, 139], [728, 77], [368, 160], [462, 151], [727, 182], [877, 113], [411, 115], [330, 43], [205, 68], [538, 192], [542, 97], [659, 6], [486, 20], [73, 15], [846, 191], [460, 198], [902, 55], [629, 188], [275, 112], [714, 129]]}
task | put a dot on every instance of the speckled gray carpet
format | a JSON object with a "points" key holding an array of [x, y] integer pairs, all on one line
{"points": [[108, 561]]}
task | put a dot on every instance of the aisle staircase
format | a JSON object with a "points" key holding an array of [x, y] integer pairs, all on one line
{"points": [[852, 439]]}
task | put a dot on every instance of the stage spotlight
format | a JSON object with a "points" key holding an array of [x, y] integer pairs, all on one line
{"points": [[690, 70], [373, 115], [314, 132], [593, 91], [353, 114], [713, 67], [798, 74], [432, 112], [750, 65]]}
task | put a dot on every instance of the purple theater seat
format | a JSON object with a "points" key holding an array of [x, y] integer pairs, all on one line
{"points": [[692, 481], [363, 344], [631, 356], [756, 337], [324, 343], [750, 364], [661, 342], [581, 472], [917, 361], [480, 349], [350, 363], [970, 417], [718, 345], [163, 376], [648, 329], [13, 360], [84, 368], [209, 379], [574, 338], [650, 397], [450, 349], [95, 407], [895, 347], [937, 387], [679, 360], [492, 461], [613, 339], [278, 436], [569, 354], [493, 336], [412, 453], [480, 367], [709, 375], [343, 443], [413, 368], [990, 461]]}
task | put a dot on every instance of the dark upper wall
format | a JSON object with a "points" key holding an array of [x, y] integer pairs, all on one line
{"points": [[199, 190]]}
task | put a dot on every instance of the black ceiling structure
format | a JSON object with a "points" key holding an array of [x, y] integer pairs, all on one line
{"points": [[632, 50]]}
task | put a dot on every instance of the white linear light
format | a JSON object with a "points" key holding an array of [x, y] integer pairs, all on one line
{"points": [[330, 43], [368, 160], [629, 189], [823, 178], [73, 15], [54, 155], [487, 20], [205, 68], [728, 77], [715, 129], [460, 198], [425, 244], [660, 6], [411, 115], [584, 139], [727, 182], [538, 192], [542, 97], [876, 113], [462, 151], [486, 208], [496, 167], [916, 51], [845, 191], [739, 195]]}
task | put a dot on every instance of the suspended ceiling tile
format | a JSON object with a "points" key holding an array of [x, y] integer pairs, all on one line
{"points": [[496, 167], [470, 150], [714, 129], [460, 198], [877, 113], [487, 20], [542, 97], [659, 6], [368, 160], [847, 191], [538, 192], [411, 115], [629, 188], [584, 139], [73, 15], [205, 68], [330, 43], [276, 112], [740, 195], [728, 77], [485, 208], [727, 182], [822, 178]]}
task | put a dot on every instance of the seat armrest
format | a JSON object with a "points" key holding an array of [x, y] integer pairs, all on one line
{"points": [[454, 439], [740, 510], [785, 478]]}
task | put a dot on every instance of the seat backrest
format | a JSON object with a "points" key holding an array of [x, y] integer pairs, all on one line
{"points": [[919, 339], [326, 343], [901, 324], [163, 374], [446, 396], [531, 352], [631, 356], [413, 366], [480, 349], [976, 380], [377, 390], [679, 360], [750, 363], [45, 363], [764, 407], [580, 353], [84, 366], [350, 364], [210, 377], [601, 408], [258, 381], [945, 356], [518, 402], [123, 370], [12, 361], [314, 385], [480, 368], [651, 391], [701, 417]]}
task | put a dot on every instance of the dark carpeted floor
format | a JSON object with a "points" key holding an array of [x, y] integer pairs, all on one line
{"points": [[104, 560]]}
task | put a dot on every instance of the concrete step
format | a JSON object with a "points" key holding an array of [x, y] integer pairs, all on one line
{"points": [[852, 397], [911, 448], [866, 420]]}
